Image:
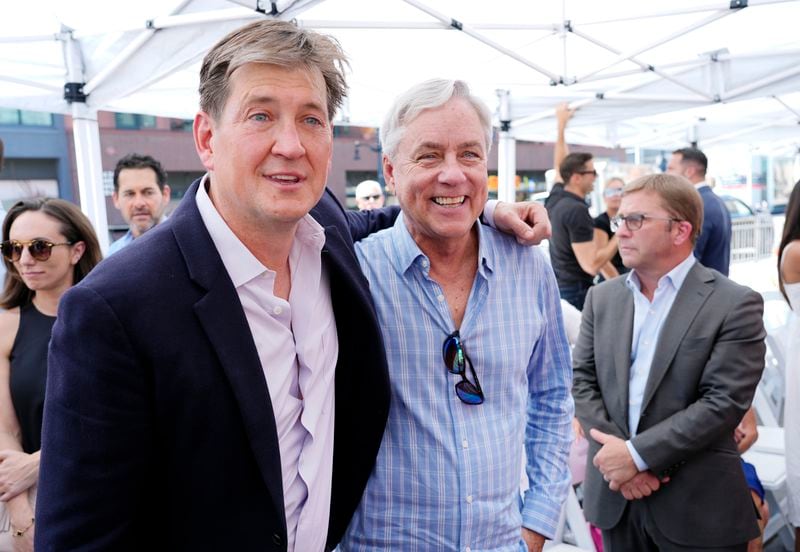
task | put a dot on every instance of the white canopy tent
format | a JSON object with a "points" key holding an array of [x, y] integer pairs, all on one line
{"points": [[722, 72]]}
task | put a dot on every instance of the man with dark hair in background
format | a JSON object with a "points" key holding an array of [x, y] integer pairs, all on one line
{"points": [[141, 194], [713, 247], [575, 254]]}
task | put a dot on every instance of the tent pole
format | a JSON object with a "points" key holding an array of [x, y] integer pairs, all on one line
{"points": [[723, 4], [772, 79], [86, 134], [479, 37], [506, 152], [643, 65], [672, 36]]}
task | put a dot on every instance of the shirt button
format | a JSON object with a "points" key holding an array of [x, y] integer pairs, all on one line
{"points": [[464, 444], [469, 499], [424, 263], [440, 297], [277, 310]]}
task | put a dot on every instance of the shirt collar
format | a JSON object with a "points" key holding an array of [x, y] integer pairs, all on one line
{"points": [[408, 252], [676, 276], [241, 264]]}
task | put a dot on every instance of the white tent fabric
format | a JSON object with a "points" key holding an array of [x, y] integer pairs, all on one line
{"points": [[642, 75]]}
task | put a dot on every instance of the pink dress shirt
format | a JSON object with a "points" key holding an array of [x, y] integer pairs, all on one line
{"points": [[298, 347]]}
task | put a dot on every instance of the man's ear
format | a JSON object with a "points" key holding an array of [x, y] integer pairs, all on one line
{"points": [[388, 173], [166, 193], [684, 232], [115, 199], [203, 131]]}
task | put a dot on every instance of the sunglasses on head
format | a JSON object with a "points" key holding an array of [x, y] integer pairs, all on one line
{"points": [[39, 249], [456, 361]]}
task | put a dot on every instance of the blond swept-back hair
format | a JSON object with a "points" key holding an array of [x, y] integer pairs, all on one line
{"points": [[429, 95], [274, 42], [678, 196]]}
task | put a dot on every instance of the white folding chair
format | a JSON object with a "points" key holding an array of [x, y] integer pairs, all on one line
{"points": [[771, 470]]}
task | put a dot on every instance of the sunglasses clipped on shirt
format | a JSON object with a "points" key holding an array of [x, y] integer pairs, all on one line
{"points": [[39, 249], [456, 361]]}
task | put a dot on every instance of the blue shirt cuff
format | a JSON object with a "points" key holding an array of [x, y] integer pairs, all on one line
{"points": [[488, 212]]}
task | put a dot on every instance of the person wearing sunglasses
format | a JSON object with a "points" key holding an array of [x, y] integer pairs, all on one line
{"points": [[48, 246], [665, 367], [478, 359], [369, 195], [612, 196], [577, 252]]}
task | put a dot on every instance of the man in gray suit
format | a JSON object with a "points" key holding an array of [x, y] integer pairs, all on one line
{"points": [[665, 367]]}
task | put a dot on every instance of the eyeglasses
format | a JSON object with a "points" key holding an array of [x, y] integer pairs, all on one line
{"points": [[592, 172], [634, 222], [612, 192], [38, 248], [456, 361], [375, 197]]}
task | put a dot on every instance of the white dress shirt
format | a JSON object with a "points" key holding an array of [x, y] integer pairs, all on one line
{"points": [[298, 347], [648, 319]]}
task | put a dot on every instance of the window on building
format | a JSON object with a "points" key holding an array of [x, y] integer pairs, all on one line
{"points": [[23, 117], [134, 121], [183, 125]]}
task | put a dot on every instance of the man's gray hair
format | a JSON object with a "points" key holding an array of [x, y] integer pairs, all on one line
{"points": [[429, 95]]}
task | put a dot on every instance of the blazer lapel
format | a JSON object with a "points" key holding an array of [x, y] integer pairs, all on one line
{"points": [[225, 324], [696, 288], [621, 341]]}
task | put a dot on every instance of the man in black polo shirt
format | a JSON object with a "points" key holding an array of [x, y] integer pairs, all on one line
{"points": [[575, 256]]}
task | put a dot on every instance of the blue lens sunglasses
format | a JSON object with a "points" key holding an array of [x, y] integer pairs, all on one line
{"points": [[456, 361]]}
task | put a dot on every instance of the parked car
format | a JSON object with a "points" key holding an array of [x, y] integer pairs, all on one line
{"points": [[752, 231]]}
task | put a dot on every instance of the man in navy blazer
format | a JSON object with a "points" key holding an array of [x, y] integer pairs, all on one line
{"points": [[221, 383], [713, 246], [161, 425]]}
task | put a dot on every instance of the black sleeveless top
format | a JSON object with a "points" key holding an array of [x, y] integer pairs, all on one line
{"points": [[29, 373]]}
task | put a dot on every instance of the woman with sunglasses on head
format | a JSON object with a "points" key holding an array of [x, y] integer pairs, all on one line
{"points": [[789, 281], [48, 246], [612, 196]]}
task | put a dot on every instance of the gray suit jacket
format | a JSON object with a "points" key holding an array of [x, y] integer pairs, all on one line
{"points": [[708, 361]]}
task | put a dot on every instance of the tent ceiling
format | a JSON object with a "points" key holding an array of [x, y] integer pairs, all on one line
{"points": [[665, 75]]}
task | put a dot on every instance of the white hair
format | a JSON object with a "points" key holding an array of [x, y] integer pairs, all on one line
{"points": [[367, 187], [429, 95]]}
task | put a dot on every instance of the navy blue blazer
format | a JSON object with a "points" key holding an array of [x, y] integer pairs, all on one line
{"points": [[158, 426], [713, 247]]}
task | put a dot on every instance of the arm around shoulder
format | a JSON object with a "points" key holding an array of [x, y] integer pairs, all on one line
{"points": [[364, 223]]}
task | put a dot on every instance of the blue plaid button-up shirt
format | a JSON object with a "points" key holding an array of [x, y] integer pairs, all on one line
{"points": [[448, 474]]}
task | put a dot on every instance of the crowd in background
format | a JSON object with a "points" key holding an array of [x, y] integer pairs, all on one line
{"points": [[305, 377]]}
